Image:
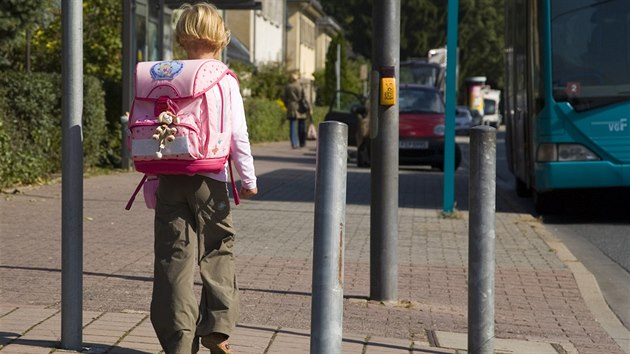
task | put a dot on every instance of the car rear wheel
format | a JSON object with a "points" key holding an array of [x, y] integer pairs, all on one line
{"points": [[363, 154], [458, 160]]}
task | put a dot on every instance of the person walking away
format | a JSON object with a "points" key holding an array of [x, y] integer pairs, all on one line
{"points": [[193, 222], [296, 112]]}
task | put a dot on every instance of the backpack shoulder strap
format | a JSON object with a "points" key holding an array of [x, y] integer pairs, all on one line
{"points": [[135, 193]]}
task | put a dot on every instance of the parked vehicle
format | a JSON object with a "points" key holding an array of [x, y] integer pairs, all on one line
{"points": [[567, 119], [421, 129], [477, 118], [491, 100], [422, 72], [463, 120], [349, 108]]}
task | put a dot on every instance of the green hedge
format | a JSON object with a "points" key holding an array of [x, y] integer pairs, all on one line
{"points": [[266, 120], [31, 126]]}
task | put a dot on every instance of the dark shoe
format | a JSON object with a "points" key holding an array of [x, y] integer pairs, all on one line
{"points": [[217, 343]]}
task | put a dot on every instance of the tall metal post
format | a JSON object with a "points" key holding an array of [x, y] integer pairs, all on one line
{"points": [[481, 245], [384, 159], [72, 176], [329, 234], [160, 29], [129, 62], [451, 89]]}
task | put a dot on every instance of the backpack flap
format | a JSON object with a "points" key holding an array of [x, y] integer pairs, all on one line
{"points": [[177, 79]]}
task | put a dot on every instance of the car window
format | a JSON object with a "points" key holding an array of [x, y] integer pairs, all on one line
{"points": [[489, 107], [462, 112], [421, 101]]}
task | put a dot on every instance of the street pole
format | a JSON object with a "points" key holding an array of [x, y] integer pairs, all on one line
{"points": [[72, 176], [482, 240], [128, 65], [451, 97], [384, 159], [329, 238]]}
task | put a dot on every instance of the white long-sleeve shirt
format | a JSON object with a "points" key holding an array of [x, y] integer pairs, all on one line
{"points": [[240, 149]]}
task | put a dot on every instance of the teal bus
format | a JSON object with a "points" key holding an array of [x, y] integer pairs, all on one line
{"points": [[567, 96]]}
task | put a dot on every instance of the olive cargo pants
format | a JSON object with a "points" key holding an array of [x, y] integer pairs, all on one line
{"points": [[193, 224]]}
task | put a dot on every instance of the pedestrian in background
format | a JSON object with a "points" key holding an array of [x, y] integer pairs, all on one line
{"points": [[193, 222], [298, 109]]}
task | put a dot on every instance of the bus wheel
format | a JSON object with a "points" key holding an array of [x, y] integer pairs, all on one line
{"points": [[546, 202], [521, 189]]}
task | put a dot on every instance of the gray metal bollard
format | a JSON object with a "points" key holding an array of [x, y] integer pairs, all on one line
{"points": [[481, 235], [329, 235], [124, 154]]}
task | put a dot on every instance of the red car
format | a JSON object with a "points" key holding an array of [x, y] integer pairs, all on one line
{"points": [[421, 129]]}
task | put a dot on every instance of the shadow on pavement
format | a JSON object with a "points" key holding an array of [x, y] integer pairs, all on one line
{"points": [[417, 189]]}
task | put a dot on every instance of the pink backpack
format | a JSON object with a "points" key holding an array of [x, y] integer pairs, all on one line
{"points": [[180, 122]]}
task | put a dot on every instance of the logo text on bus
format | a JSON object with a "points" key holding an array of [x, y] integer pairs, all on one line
{"points": [[615, 125]]}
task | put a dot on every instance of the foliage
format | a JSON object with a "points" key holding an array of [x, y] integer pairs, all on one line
{"points": [[326, 80], [355, 17], [102, 58], [265, 120], [423, 14], [31, 126], [102, 41], [423, 27], [18, 20], [481, 40], [265, 81]]}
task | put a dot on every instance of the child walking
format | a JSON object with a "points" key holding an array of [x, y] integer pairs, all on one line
{"points": [[193, 222]]}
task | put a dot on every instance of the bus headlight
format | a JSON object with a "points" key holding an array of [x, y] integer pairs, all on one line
{"points": [[564, 152]]}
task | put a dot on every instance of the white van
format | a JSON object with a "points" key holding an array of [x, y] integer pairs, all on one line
{"points": [[491, 100]]}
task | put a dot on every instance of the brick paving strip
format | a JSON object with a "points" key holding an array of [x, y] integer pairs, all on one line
{"points": [[538, 300]]}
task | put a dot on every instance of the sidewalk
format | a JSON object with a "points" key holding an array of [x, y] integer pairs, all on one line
{"points": [[540, 307]]}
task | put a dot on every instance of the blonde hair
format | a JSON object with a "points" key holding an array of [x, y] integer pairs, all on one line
{"points": [[294, 76], [200, 26]]}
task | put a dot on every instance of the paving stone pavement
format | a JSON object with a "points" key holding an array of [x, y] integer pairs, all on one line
{"points": [[539, 305]]}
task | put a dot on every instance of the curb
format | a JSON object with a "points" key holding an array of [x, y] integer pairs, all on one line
{"points": [[589, 288]]}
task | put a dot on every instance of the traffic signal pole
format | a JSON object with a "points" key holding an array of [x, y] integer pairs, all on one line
{"points": [[384, 145]]}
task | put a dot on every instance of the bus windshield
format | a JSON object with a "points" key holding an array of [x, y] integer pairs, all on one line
{"points": [[591, 52]]}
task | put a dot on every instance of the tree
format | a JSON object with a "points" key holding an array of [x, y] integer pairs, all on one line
{"points": [[18, 20], [102, 41], [423, 27], [349, 72], [355, 17], [481, 40]]}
